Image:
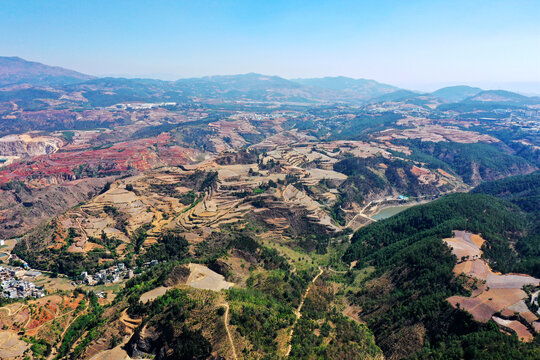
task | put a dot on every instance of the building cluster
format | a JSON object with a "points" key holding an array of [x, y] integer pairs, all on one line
{"points": [[142, 106], [14, 286], [106, 276], [532, 113], [112, 274]]}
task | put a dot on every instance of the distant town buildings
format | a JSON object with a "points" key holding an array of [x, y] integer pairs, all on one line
{"points": [[142, 106], [14, 287]]}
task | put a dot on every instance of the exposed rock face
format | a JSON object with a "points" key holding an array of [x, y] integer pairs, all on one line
{"points": [[22, 208], [163, 342], [178, 275], [239, 157], [220, 267], [145, 342], [25, 145], [244, 255]]}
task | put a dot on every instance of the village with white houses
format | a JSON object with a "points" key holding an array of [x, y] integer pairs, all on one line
{"points": [[112, 274], [16, 285]]}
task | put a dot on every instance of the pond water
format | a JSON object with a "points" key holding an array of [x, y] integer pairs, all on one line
{"points": [[390, 211]]}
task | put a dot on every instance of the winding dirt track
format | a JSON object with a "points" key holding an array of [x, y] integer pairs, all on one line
{"points": [[298, 311], [226, 321]]}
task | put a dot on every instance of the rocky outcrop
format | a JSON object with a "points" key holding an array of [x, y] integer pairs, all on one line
{"points": [[144, 342], [220, 267], [25, 145]]}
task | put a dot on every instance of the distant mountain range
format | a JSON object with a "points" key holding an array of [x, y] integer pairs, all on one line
{"points": [[358, 88], [15, 72], [456, 93], [503, 97], [398, 95]]}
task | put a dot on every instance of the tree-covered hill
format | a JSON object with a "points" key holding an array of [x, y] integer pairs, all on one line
{"points": [[404, 299], [524, 191], [474, 162]]}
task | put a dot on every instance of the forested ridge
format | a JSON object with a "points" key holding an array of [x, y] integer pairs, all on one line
{"points": [[404, 300], [474, 162]]}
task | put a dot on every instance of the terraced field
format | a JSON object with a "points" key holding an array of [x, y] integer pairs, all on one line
{"points": [[11, 347], [155, 202], [495, 293]]}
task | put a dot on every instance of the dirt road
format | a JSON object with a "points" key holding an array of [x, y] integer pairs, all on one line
{"points": [[226, 321], [298, 312]]}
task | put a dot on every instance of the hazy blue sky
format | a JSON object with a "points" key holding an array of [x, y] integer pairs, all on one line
{"points": [[403, 42]]}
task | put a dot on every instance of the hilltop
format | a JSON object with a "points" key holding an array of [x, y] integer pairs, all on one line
{"points": [[14, 70], [503, 97], [456, 93]]}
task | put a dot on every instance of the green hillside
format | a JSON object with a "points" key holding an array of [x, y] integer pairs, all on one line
{"points": [[404, 300]]}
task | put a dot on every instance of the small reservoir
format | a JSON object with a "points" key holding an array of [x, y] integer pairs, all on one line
{"points": [[390, 211]]}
